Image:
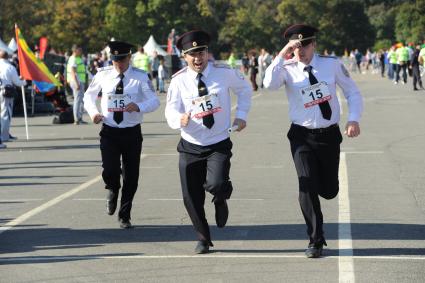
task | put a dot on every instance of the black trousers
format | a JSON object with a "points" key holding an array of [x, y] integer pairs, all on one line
{"points": [[204, 168], [416, 76], [121, 149], [316, 158]]}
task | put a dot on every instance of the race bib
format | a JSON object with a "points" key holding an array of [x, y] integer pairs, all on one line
{"points": [[315, 94], [205, 105], [117, 102]]}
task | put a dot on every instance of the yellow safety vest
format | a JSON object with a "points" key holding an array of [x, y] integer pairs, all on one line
{"points": [[81, 69], [141, 61]]}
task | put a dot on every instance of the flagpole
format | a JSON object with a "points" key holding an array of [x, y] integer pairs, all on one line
{"points": [[24, 103]]}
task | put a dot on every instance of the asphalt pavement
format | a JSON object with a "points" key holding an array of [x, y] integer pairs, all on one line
{"points": [[54, 226]]}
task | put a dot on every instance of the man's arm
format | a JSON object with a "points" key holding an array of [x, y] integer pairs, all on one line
{"points": [[275, 75], [354, 99], [150, 100], [243, 90], [174, 110], [90, 97]]}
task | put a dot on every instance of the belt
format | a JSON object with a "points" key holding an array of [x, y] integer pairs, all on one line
{"points": [[121, 130], [319, 130]]}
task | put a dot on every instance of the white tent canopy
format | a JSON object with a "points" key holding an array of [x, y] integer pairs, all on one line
{"points": [[4, 47], [152, 46], [12, 45]]}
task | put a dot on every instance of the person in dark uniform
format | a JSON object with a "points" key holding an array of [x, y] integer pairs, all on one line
{"points": [[127, 93], [199, 104], [310, 81], [414, 65]]}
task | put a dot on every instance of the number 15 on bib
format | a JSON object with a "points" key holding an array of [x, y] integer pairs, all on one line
{"points": [[315, 94]]}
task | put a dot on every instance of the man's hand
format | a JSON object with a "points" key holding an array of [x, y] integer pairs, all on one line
{"points": [[97, 118], [184, 120], [132, 107], [352, 129], [240, 123], [289, 48]]}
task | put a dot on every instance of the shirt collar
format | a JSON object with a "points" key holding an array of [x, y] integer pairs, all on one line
{"points": [[115, 73], [194, 74], [313, 63]]}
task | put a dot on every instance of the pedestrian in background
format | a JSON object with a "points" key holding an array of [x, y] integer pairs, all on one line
{"points": [[9, 79], [76, 76]]}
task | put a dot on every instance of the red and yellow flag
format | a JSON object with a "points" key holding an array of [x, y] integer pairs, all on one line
{"points": [[32, 68]]}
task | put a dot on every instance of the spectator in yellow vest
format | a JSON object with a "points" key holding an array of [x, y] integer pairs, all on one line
{"points": [[76, 78], [231, 61], [141, 61], [402, 58]]}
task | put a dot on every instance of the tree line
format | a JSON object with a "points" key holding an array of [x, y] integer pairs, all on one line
{"points": [[234, 25]]}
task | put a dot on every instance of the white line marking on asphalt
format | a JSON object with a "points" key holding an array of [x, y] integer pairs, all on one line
{"points": [[48, 204], [51, 203], [345, 244], [212, 255]]}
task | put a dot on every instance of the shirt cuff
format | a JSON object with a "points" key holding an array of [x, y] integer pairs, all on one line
{"points": [[142, 107], [354, 117], [241, 115]]}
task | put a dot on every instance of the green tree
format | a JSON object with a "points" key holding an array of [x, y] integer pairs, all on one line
{"points": [[345, 25], [410, 22], [382, 18], [251, 24], [121, 21]]}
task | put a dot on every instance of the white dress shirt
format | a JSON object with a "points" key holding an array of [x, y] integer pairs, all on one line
{"points": [[136, 84], [328, 69], [9, 75], [219, 80]]}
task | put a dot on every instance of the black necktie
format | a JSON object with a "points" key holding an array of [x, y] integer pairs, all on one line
{"points": [[119, 115], [208, 121], [325, 108]]}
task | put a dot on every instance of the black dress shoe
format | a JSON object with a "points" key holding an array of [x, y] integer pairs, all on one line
{"points": [[125, 224], [221, 213], [314, 250], [202, 247], [111, 202]]}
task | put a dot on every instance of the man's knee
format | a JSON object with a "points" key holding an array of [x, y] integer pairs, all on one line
{"points": [[330, 192], [220, 188]]}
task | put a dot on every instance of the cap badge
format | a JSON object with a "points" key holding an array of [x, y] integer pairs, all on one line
{"points": [[116, 52], [300, 36], [194, 44]]}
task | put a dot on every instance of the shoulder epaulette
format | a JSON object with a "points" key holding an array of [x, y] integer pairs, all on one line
{"points": [[221, 65], [104, 68], [328, 56], [139, 70], [179, 72]]}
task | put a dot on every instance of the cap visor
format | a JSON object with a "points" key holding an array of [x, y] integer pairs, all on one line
{"points": [[118, 57], [195, 49]]}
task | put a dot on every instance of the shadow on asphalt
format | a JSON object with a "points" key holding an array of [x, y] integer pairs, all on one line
{"points": [[31, 239]]}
